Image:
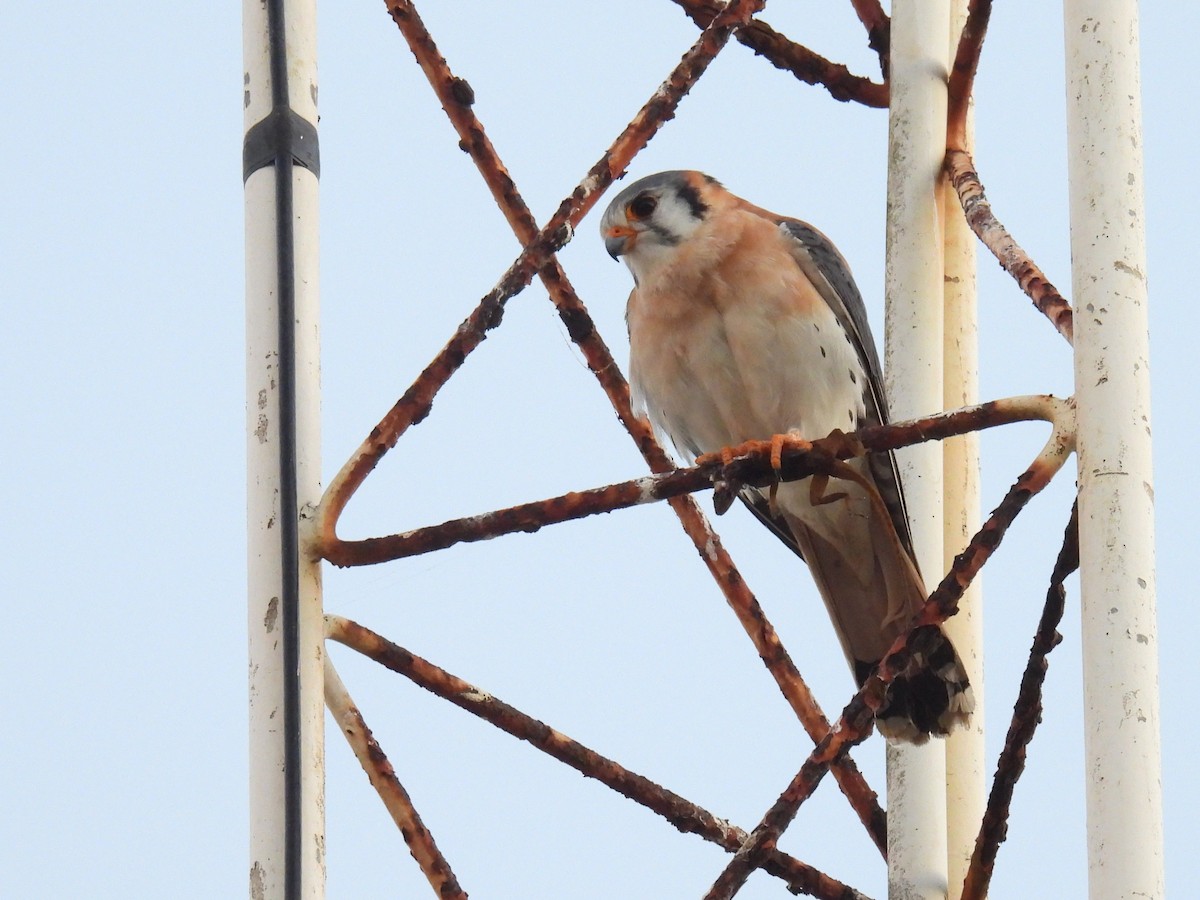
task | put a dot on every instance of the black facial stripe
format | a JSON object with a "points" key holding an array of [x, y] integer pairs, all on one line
{"points": [[691, 197], [663, 234]]}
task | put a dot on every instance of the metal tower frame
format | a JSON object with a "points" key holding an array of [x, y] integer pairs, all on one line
{"points": [[943, 836]]}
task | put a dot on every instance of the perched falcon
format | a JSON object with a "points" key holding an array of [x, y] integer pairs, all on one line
{"points": [[743, 325]]}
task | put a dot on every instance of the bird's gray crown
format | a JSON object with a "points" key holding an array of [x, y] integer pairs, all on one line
{"points": [[674, 183]]}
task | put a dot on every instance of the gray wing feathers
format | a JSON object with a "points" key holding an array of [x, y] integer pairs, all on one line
{"points": [[830, 274]]}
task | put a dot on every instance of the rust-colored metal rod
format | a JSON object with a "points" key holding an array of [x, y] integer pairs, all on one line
{"points": [[994, 236], [661, 106], [1027, 713], [862, 799], [943, 602], [383, 778], [852, 728], [417, 401], [681, 813], [557, 231], [658, 110], [809, 67], [751, 465], [961, 170], [857, 718], [457, 99], [879, 30], [962, 74], [525, 517]]}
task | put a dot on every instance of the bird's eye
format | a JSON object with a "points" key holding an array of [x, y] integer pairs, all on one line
{"points": [[642, 207]]}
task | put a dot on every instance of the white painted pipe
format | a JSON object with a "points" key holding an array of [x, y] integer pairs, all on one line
{"points": [[287, 828], [1116, 495], [966, 760], [920, 65]]}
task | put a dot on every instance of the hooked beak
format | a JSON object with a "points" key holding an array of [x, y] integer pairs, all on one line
{"points": [[619, 240]]}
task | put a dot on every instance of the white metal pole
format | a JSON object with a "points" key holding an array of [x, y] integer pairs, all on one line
{"points": [[1116, 497], [920, 63], [287, 827], [966, 763]]}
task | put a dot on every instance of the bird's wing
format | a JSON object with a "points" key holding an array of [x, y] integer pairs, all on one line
{"points": [[829, 273], [758, 504]]}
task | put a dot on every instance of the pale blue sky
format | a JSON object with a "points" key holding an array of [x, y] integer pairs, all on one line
{"points": [[123, 756]]}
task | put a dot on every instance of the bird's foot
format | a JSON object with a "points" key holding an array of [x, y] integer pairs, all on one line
{"points": [[724, 489], [817, 487]]}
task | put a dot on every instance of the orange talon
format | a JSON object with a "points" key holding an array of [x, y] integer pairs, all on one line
{"points": [[777, 452], [816, 491], [777, 466], [726, 455]]}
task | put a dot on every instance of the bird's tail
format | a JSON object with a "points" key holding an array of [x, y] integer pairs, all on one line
{"points": [[930, 693], [873, 592]]}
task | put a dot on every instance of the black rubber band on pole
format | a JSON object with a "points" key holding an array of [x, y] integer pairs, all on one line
{"points": [[283, 132]]}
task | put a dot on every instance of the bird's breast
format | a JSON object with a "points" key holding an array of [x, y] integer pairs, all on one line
{"points": [[730, 359]]}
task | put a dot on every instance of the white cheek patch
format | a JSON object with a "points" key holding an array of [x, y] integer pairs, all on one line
{"points": [[675, 218], [660, 238]]}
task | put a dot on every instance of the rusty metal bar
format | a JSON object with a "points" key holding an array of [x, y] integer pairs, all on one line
{"points": [[960, 169], [782, 53], [863, 800], [852, 728], [962, 73], [1027, 713], [751, 465], [857, 718], [418, 400], [383, 778], [879, 30], [456, 97], [684, 815], [993, 234]]}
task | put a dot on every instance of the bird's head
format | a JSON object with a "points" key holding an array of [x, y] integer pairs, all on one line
{"points": [[647, 221]]}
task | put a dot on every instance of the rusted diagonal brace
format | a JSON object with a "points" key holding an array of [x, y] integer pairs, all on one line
{"points": [[416, 402], [809, 67], [751, 465], [383, 778], [960, 168], [681, 813], [457, 98], [1027, 713], [992, 233], [962, 73], [879, 30], [857, 718]]}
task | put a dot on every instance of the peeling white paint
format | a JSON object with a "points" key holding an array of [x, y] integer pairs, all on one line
{"points": [[1116, 539]]}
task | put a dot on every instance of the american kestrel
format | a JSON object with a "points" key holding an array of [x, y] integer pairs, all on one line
{"points": [[744, 325]]}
